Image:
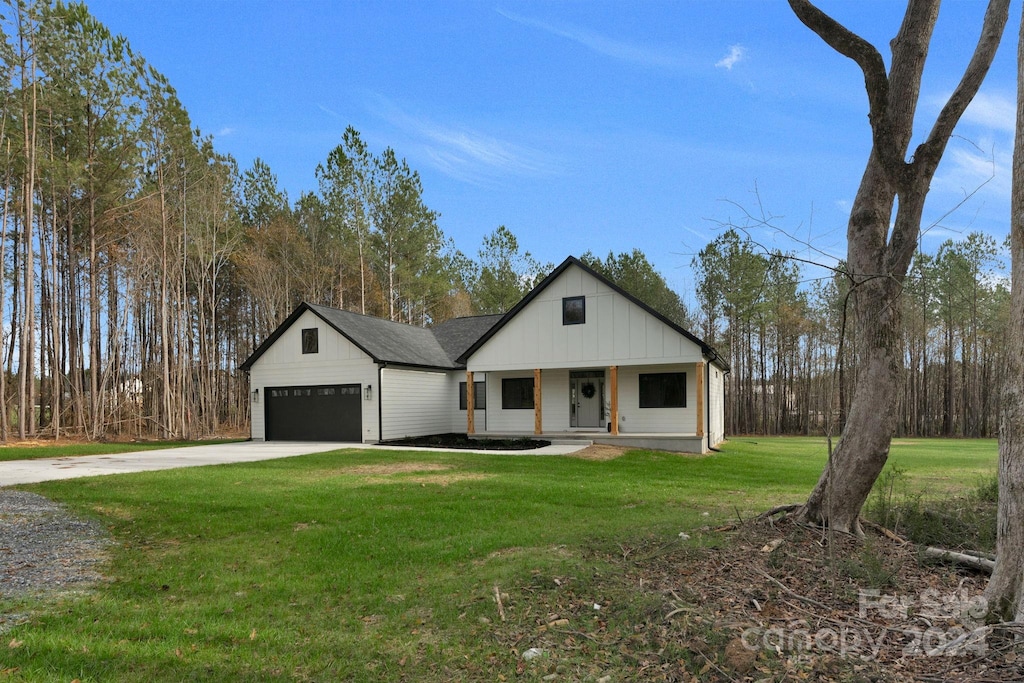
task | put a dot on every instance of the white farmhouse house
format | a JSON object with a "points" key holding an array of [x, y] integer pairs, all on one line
{"points": [[577, 357]]}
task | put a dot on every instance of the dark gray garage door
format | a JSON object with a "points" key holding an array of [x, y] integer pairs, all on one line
{"points": [[322, 413]]}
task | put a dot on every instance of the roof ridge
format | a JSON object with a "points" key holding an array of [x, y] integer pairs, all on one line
{"points": [[366, 315]]}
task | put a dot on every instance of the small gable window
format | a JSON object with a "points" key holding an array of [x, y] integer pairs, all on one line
{"points": [[310, 340], [574, 310], [517, 393], [663, 390]]}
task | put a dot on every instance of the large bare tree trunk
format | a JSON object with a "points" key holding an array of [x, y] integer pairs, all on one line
{"points": [[877, 258], [864, 447], [1005, 592]]}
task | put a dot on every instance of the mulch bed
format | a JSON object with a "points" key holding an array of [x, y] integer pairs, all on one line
{"points": [[773, 601], [463, 442]]}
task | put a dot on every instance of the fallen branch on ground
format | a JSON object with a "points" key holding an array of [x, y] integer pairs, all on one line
{"points": [[973, 561], [888, 533]]}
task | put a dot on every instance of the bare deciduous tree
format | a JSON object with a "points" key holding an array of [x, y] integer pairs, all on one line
{"points": [[892, 192]]}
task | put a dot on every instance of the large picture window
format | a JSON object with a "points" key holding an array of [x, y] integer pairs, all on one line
{"points": [[517, 393], [663, 390], [310, 340], [479, 396], [574, 310]]}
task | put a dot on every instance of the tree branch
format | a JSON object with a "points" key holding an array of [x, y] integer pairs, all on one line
{"points": [[876, 81], [906, 231], [930, 151]]}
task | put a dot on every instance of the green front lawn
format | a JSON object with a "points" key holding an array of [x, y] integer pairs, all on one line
{"points": [[370, 565]]}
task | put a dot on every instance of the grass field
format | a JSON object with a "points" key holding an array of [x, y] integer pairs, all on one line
{"points": [[45, 449], [369, 565]]}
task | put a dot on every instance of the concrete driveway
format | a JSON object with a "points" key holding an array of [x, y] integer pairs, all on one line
{"points": [[49, 469]]}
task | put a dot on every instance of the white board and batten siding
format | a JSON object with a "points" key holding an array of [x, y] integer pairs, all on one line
{"points": [[499, 421], [554, 385], [415, 402], [337, 361], [554, 404], [633, 418], [616, 332]]}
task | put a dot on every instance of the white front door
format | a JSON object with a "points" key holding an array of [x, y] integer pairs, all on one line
{"points": [[586, 401]]}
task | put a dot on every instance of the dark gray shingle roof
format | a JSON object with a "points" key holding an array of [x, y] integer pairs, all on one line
{"points": [[387, 341], [458, 334], [390, 342]]}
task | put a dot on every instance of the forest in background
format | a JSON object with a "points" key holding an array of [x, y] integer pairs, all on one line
{"points": [[141, 267]]}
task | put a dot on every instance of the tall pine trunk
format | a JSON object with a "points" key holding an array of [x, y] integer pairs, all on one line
{"points": [[26, 373]]}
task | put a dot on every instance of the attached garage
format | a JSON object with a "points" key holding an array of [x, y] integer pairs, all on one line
{"points": [[318, 413], [330, 375]]}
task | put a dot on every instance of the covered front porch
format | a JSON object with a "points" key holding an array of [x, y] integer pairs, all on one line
{"points": [[661, 407]]}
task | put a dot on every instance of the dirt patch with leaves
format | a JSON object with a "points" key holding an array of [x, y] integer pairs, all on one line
{"points": [[763, 602], [600, 452], [385, 469], [406, 473]]}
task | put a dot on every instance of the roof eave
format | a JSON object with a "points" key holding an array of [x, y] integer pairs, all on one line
{"points": [[287, 323]]}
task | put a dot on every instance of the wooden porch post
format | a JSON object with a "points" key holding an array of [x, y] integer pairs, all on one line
{"points": [[700, 399], [470, 404], [614, 417], [538, 423]]}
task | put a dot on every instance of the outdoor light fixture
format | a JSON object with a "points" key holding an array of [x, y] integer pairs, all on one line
{"points": [[255, 395], [368, 393]]}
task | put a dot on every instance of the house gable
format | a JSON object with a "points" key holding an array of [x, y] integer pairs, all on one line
{"points": [[285, 346], [384, 341], [617, 328]]}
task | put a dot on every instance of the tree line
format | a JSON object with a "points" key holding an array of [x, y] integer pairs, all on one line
{"points": [[141, 266], [790, 338]]}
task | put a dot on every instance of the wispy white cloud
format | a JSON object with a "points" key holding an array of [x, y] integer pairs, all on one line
{"points": [[464, 153], [329, 111], [224, 132], [735, 56], [644, 55], [971, 191], [967, 169], [997, 111]]}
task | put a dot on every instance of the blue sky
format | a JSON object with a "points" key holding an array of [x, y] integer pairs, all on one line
{"points": [[601, 126]]}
